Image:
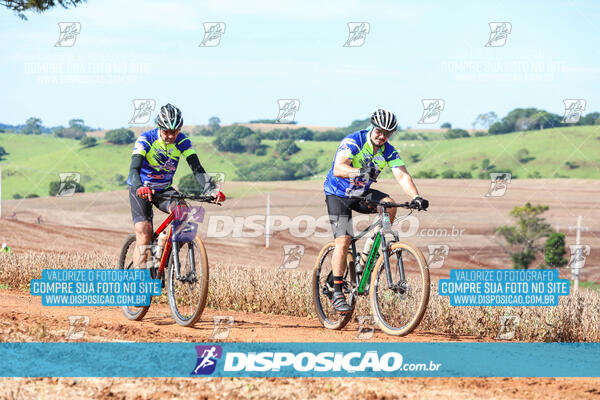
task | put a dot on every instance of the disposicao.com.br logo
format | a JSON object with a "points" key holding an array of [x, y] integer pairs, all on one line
{"points": [[324, 362]]}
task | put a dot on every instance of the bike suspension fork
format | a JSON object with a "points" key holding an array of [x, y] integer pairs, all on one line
{"points": [[176, 264]]}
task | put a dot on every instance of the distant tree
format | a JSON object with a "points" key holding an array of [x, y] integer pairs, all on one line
{"points": [[542, 118], [523, 156], [120, 136], [554, 250], [2, 152], [38, 6], [278, 170], [214, 123], [88, 141], [55, 187], [120, 180], [230, 138], [332, 135], [592, 118], [446, 125], [448, 174], [427, 174], [498, 128], [252, 143], [571, 165], [456, 133], [414, 157], [522, 237], [202, 131], [70, 133], [485, 120], [189, 184], [303, 134], [286, 147], [486, 168], [17, 196], [33, 126]]}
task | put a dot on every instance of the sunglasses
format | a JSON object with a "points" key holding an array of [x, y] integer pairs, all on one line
{"points": [[170, 131], [382, 132]]}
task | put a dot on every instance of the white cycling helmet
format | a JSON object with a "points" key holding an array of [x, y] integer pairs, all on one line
{"points": [[384, 119], [169, 117]]}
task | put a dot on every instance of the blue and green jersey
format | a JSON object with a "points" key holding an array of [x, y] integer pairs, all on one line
{"points": [[160, 158], [359, 149]]}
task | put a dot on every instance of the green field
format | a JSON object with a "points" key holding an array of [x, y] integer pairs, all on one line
{"points": [[34, 161]]}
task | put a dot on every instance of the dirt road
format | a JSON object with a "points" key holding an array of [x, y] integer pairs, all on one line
{"points": [[23, 318]]}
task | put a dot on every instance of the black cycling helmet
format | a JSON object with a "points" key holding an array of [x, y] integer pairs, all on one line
{"points": [[169, 117], [384, 119]]}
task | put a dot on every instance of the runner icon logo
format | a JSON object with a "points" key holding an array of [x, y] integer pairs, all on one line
{"points": [[574, 109], [499, 184], [213, 31], [223, 324], [292, 255], [508, 327], [357, 34], [437, 255], [207, 359], [499, 32], [68, 34], [432, 109], [142, 111], [287, 110], [579, 253], [77, 326]]}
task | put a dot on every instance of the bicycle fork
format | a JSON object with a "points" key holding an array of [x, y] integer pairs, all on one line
{"points": [[191, 275]]}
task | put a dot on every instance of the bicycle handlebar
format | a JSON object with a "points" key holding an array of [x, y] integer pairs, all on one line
{"points": [[184, 196], [387, 204]]}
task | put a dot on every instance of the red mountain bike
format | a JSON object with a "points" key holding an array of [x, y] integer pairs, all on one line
{"points": [[183, 255]]}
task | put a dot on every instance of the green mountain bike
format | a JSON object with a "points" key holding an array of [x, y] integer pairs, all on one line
{"points": [[395, 277]]}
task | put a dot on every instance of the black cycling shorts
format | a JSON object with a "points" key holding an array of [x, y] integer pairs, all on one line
{"points": [[340, 210], [141, 209]]}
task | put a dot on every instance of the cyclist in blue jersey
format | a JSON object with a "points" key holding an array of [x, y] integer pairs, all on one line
{"points": [[358, 161], [154, 161]]}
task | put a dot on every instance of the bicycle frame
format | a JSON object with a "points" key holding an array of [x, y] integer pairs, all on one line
{"points": [[384, 224], [170, 244]]}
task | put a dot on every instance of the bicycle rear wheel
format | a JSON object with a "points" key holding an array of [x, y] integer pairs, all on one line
{"points": [[399, 309], [188, 293], [126, 262], [322, 285]]}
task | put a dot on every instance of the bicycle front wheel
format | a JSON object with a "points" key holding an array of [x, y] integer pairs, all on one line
{"points": [[322, 288], [399, 305], [126, 262], [188, 292]]}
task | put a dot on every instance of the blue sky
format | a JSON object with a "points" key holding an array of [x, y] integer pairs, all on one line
{"points": [[278, 49]]}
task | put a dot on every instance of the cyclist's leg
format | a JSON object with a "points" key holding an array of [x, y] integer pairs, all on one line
{"points": [[163, 203], [378, 196], [340, 217], [141, 213]]}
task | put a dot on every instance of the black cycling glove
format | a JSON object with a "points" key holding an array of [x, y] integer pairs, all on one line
{"points": [[369, 173], [419, 203]]}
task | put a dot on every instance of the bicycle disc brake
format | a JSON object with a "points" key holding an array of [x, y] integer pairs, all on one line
{"points": [[190, 277], [401, 288]]}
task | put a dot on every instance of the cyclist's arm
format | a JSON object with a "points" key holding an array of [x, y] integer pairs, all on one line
{"points": [[405, 180], [342, 168], [197, 170], [134, 170]]}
